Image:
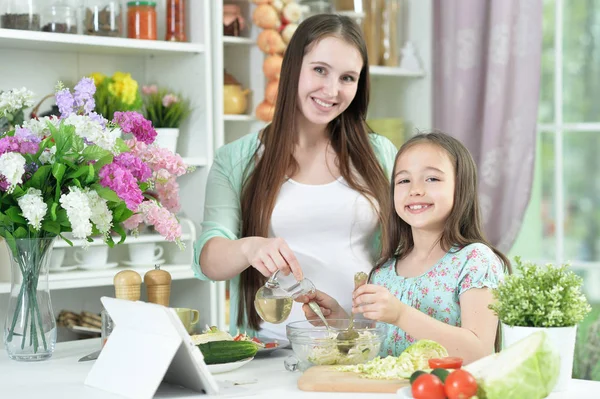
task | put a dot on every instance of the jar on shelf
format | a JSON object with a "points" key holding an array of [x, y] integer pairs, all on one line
{"points": [[19, 14], [314, 7], [103, 18], [390, 21], [141, 20], [176, 21], [59, 17]]}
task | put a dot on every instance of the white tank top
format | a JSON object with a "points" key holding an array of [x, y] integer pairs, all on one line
{"points": [[330, 228]]}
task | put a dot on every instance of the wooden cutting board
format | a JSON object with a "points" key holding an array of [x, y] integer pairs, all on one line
{"points": [[327, 379]]}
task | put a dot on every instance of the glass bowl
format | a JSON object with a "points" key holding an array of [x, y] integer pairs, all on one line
{"points": [[313, 344]]}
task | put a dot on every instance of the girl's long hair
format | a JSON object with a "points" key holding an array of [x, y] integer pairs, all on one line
{"points": [[348, 135], [464, 225]]}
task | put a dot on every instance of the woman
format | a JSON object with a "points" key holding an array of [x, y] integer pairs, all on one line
{"points": [[307, 194]]}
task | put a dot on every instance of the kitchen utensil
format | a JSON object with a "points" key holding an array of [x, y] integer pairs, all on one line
{"points": [[327, 379], [91, 356], [346, 339], [317, 309], [158, 285], [128, 285]]}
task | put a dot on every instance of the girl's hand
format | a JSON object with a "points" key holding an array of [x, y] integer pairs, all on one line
{"points": [[330, 308], [377, 303], [267, 255]]}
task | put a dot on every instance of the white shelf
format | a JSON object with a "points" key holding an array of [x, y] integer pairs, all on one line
{"points": [[63, 42], [195, 161], [129, 240], [376, 70], [99, 278], [239, 118], [236, 40]]}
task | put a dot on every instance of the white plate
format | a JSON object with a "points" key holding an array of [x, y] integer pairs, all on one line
{"points": [[225, 367], [62, 269], [143, 264], [282, 344], [405, 393], [85, 330], [100, 266]]}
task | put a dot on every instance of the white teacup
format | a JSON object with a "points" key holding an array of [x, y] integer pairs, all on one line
{"points": [[92, 255], [147, 252], [57, 256]]}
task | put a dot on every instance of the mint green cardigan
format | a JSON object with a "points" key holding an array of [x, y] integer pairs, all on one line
{"points": [[222, 210]]}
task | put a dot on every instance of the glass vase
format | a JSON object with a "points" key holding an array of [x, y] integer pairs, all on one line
{"points": [[30, 327]]}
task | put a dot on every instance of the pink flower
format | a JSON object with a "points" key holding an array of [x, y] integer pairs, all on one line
{"points": [[168, 194], [169, 99], [147, 90], [136, 124], [163, 221], [122, 182]]}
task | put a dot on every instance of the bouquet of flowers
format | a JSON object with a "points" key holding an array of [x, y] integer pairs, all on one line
{"points": [[116, 93], [164, 108], [75, 174]]}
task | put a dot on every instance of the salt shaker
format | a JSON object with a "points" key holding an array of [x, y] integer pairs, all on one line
{"points": [[158, 285], [128, 285]]}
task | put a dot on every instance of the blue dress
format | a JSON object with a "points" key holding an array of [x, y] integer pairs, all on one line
{"points": [[437, 292]]}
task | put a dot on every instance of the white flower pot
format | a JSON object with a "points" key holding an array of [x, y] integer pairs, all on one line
{"points": [[563, 339], [167, 138]]}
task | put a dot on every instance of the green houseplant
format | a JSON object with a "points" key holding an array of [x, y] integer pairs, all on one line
{"points": [[545, 298]]}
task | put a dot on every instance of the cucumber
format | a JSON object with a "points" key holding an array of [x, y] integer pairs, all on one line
{"points": [[441, 374], [217, 352], [414, 375]]}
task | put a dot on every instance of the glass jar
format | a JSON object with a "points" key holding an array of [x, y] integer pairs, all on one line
{"points": [[314, 7], [176, 21], [59, 17], [389, 35], [103, 18], [141, 20], [19, 14]]}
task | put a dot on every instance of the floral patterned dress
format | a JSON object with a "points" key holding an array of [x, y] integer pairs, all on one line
{"points": [[437, 292]]}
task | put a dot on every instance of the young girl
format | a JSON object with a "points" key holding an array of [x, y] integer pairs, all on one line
{"points": [[437, 269], [303, 195]]}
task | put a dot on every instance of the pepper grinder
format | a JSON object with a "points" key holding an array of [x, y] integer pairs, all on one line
{"points": [[128, 285], [158, 285]]}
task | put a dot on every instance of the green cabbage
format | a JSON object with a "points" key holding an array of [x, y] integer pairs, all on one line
{"points": [[419, 353], [528, 369]]}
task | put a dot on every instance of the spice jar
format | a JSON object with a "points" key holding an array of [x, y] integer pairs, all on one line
{"points": [[19, 14], [141, 20], [59, 17], [176, 21], [158, 286], [103, 18]]}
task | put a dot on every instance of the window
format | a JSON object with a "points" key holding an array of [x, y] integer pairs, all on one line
{"points": [[562, 223]]}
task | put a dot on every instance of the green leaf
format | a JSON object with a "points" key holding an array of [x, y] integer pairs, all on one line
{"points": [[10, 241], [14, 213], [40, 177], [63, 138], [119, 229], [51, 227], [81, 170], [78, 144], [91, 174], [53, 210], [121, 213], [21, 232], [122, 145], [106, 193], [58, 171], [66, 239], [103, 161], [6, 221], [94, 153], [62, 218]]}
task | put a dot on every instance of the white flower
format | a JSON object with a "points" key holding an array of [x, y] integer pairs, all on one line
{"points": [[101, 215], [47, 156], [77, 205], [92, 131], [15, 99], [33, 206], [39, 127], [12, 166]]}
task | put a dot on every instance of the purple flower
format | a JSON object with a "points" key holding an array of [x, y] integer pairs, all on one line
{"points": [[136, 124], [135, 165], [26, 134], [18, 144], [122, 182], [98, 118], [4, 184], [65, 102], [84, 94], [30, 169]]}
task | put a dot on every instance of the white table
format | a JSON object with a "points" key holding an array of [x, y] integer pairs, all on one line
{"points": [[62, 377]]}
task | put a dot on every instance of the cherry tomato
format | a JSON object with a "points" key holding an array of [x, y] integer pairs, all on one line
{"points": [[271, 345], [460, 384], [258, 341], [428, 386], [446, 363]]}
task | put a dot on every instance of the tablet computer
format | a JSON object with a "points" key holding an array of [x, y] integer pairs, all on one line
{"points": [[148, 345]]}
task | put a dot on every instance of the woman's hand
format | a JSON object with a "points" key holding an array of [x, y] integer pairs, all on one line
{"points": [[267, 255], [377, 303], [330, 308]]}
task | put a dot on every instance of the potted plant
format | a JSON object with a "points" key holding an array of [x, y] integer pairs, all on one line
{"points": [[116, 93], [545, 298], [166, 110]]}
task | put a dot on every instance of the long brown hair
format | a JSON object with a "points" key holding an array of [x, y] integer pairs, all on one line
{"points": [[464, 225], [348, 135]]}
